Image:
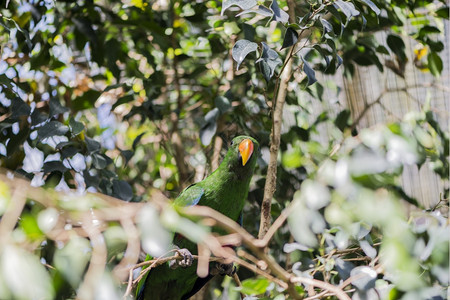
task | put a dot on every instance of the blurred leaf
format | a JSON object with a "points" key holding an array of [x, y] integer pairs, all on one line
{"points": [[209, 127], [364, 277], [435, 64], [85, 101], [18, 266], [241, 49], [72, 259], [156, 239], [255, 286]]}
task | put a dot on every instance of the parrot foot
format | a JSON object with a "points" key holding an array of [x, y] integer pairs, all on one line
{"points": [[224, 269], [185, 261]]}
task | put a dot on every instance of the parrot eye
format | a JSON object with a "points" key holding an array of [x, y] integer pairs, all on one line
{"points": [[232, 142]]}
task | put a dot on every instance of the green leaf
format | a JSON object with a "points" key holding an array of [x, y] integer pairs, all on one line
{"points": [[53, 128], [397, 46], [243, 4], [122, 190], [310, 73], [241, 49], [348, 9], [76, 127], [156, 239], [255, 286], [85, 101], [372, 6], [18, 266], [92, 145], [56, 108], [290, 38], [209, 127], [443, 12], [19, 108], [278, 14], [269, 60], [260, 10], [435, 64], [364, 277], [72, 259]]}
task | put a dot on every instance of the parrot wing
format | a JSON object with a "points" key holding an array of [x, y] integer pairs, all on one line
{"points": [[190, 195]]}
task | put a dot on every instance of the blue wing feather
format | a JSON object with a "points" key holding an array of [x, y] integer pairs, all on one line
{"points": [[190, 196]]}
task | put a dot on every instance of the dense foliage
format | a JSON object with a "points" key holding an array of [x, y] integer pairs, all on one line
{"points": [[128, 97]]}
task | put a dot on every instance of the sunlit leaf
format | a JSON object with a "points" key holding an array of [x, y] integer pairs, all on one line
{"points": [[372, 6], [364, 277], [254, 286], [279, 15], [268, 61], [243, 4], [155, 238], [310, 73], [241, 49], [18, 266], [72, 259]]}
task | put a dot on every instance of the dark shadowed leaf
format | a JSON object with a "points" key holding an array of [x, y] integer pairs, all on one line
{"points": [[279, 15], [52, 166], [53, 128], [290, 38], [19, 108], [122, 190], [99, 161], [137, 140], [85, 101], [56, 108], [37, 117], [241, 49], [310, 73], [397, 46], [243, 4], [92, 145]]}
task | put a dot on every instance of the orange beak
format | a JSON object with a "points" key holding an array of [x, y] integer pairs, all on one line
{"points": [[246, 150]]}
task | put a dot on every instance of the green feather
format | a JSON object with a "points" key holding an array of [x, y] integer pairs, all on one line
{"points": [[225, 190]]}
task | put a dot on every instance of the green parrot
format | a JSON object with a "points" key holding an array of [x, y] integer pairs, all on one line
{"points": [[225, 190]]}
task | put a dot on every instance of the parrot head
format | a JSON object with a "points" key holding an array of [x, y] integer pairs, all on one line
{"points": [[243, 152]]}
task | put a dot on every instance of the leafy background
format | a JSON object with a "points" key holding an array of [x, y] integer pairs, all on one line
{"points": [[128, 98]]}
